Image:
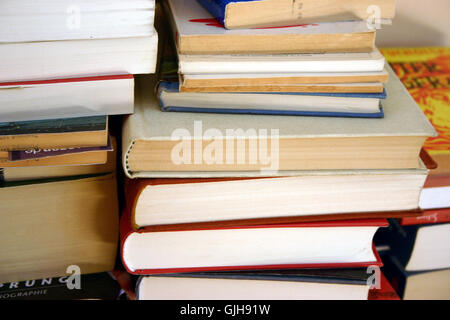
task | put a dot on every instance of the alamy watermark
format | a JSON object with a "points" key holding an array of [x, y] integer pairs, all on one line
{"points": [[258, 148]]}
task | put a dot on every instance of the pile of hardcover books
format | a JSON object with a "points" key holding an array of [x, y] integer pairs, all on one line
{"points": [[277, 165], [66, 67]]}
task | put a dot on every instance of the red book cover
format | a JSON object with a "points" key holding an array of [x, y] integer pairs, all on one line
{"points": [[126, 230], [386, 292], [436, 181], [65, 80]]}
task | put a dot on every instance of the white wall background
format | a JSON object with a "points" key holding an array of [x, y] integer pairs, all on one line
{"points": [[417, 23]]}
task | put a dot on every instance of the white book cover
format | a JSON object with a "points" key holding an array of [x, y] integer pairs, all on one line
{"points": [[66, 98], [77, 58], [36, 7], [282, 63], [46, 20]]}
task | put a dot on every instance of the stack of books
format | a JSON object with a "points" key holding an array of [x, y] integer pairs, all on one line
{"points": [[272, 70], [418, 253], [259, 202], [67, 66]]}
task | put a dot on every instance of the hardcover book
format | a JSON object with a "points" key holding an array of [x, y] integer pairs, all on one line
{"points": [[241, 14], [266, 247], [296, 284], [364, 105], [174, 203], [304, 143], [196, 31]]}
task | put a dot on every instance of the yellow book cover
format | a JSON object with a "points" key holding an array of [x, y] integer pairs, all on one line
{"points": [[425, 72]]}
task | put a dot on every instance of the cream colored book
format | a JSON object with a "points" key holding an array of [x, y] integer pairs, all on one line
{"points": [[48, 226], [286, 64], [197, 32], [269, 13], [158, 144], [274, 79]]}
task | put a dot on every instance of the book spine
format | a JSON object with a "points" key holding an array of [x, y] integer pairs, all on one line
{"points": [[429, 217], [216, 7]]}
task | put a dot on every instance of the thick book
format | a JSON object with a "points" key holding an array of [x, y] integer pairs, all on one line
{"points": [[174, 203], [67, 98], [63, 222], [26, 61], [54, 133], [337, 244], [197, 32], [295, 284], [417, 285], [53, 20], [425, 72], [371, 61], [286, 143], [242, 14], [95, 286], [364, 105]]}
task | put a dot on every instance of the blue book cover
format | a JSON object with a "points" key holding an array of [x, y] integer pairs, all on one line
{"points": [[174, 87]]}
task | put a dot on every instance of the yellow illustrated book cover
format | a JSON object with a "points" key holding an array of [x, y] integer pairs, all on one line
{"points": [[425, 72]]}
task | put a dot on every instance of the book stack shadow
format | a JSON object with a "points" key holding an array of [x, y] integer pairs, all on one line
{"points": [[262, 161], [67, 67]]}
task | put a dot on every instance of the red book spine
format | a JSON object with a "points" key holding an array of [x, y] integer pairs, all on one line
{"points": [[428, 217]]}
